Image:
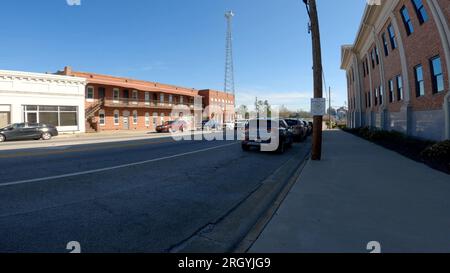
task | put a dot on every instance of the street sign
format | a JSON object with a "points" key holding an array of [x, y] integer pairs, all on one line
{"points": [[318, 106]]}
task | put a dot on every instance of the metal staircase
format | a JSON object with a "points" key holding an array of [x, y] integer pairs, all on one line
{"points": [[90, 112]]}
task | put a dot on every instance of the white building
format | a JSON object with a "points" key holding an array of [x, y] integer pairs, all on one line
{"points": [[42, 98]]}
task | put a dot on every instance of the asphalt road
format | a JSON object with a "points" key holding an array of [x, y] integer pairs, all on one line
{"points": [[134, 196]]}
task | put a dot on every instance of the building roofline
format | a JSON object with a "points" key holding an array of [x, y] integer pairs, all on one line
{"points": [[43, 76], [126, 80], [369, 17]]}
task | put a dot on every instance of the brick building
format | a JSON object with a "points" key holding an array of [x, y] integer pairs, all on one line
{"points": [[398, 68], [115, 103]]}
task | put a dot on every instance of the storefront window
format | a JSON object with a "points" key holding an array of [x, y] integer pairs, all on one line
{"points": [[52, 115], [50, 118]]}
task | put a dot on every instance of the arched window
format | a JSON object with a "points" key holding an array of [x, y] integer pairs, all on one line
{"points": [[116, 117], [162, 118], [147, 119], [101, 118], [135, 117]]}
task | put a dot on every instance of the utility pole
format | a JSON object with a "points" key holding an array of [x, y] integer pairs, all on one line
{"points": [[318, 73]]}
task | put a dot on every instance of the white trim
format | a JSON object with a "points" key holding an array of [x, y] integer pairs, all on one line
{"points": [[444, 32], [118, 117], [135, 117], [21, 75], [133, 98], [403, 61], [114, 95], [147, 98], [102, 112], [90, 87], [147, 119]]}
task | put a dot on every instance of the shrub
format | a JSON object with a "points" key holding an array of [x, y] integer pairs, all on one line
{"points": [[439, 152]]}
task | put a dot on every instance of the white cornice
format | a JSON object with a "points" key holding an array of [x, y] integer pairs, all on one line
{"points": [[28, 76]]}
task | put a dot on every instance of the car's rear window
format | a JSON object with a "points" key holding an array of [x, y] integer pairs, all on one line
{"points": [[291, 122]]}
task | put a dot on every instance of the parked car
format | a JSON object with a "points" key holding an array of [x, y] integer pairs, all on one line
{"points": [[308, 126], [263, 136], [171, 126], [22, 131], [299, 130]]}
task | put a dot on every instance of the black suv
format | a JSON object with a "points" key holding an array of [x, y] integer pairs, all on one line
{"points": [[22, 131], [256, 136]]}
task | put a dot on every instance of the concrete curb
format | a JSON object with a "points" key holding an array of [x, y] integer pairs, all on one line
{"points": [[225, 235]]}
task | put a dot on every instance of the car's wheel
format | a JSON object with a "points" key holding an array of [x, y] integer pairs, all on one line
{"points": [[2, 138], [245, 147], [46, 136]]}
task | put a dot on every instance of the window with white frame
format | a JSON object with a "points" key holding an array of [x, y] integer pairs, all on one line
{"points": [[147, 119], [161, 98], [135, 117], [116, 117], [170, 99], [181, 99], [162, 119], [147, 98], [101, 118], [51, 114], [155, 120], [134, 95], [90, 93], [116, 94]]}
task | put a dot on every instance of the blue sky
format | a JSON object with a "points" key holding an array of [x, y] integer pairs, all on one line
{"points": [[182, 42]]}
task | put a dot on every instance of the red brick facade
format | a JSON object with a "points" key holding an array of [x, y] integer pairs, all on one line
{"points": [[114, 103], [414, 113]]}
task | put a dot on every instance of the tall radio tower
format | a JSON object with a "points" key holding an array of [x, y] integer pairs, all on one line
{"points": [[229, 67]]}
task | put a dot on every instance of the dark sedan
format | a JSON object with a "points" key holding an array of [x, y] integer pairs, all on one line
{"points": [[22, 131], [256, 135]]}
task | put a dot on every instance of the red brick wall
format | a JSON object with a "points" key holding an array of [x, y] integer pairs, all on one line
{"points": [[213, 97], [109, 110], [445, 6], [376, 78], [392, 68], [365, 82], [420, 46], [109, 119]]}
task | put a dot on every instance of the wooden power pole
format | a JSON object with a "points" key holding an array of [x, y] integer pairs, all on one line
{"points": [[318, 74]]}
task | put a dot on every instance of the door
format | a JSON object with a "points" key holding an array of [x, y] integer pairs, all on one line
{"points": [[16, 132], [30, 131], [126, 120], [101, 93], [5, 119]]}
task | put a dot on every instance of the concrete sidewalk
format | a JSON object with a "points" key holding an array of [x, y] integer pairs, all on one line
{"points": [[359, 193]]}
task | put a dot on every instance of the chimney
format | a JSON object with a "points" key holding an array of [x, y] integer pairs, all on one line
{"points": [[68, 70]]}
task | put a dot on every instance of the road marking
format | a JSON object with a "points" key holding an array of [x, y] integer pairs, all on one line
{"points": [[111, 168]]}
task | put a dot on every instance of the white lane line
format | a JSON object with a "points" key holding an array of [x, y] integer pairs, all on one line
{"points": [[110, 168]]}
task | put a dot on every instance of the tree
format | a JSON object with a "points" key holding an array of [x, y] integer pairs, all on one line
{"points": [[331, 111], [284, 112], [242, 111], [263, 108]]}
